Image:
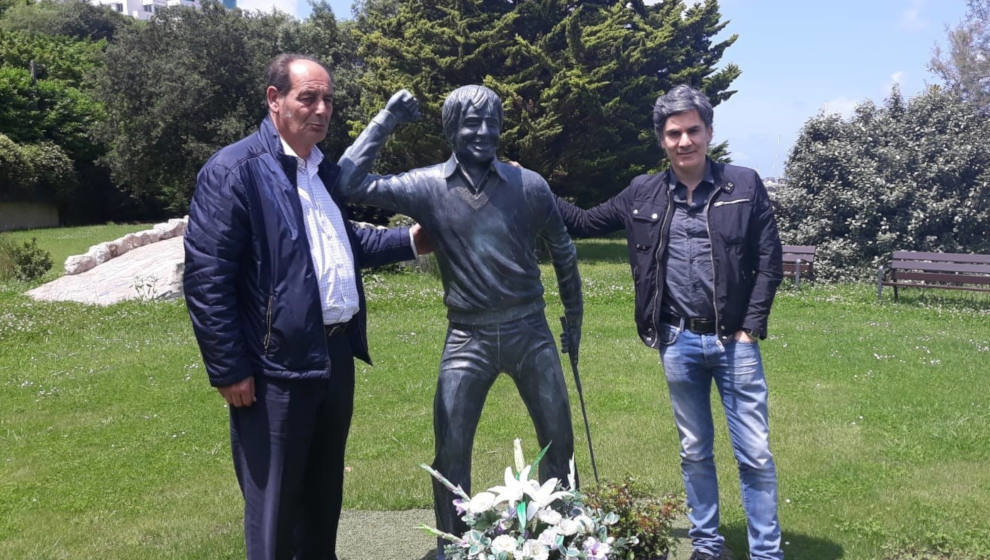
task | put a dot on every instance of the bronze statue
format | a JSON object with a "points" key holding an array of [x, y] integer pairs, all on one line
{"points": [[485, 217]]}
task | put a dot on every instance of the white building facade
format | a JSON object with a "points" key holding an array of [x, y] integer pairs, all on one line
{"points": [[143, 9]]}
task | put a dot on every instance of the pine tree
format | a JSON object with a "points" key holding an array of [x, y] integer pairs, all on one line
{"points": [[578, 78]]}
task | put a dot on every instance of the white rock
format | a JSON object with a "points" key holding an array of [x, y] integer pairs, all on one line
{"points": [[100, 253], [115, 248], [148, 237], [131, 241], [79, 263]]}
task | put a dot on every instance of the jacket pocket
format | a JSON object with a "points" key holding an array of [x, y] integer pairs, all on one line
{"points": [[728, 220], [644, 226]]}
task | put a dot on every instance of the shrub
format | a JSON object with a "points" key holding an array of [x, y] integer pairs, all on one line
{"points": [[24, 262], [641, 514], [6, 259], [909, 175]]}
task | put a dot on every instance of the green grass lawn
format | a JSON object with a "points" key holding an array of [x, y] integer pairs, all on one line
{"points": [[112, 445]]}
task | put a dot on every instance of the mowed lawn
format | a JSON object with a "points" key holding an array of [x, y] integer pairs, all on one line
{"points": [[112, 445]]}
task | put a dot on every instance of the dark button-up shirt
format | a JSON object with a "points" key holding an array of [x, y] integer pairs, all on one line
{"points": [[689, 280]]}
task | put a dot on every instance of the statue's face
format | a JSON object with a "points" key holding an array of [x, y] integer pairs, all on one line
{"points": [[476, 139]]}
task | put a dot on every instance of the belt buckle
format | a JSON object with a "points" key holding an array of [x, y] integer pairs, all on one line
{"points": [[700, 326], [335, 329]]}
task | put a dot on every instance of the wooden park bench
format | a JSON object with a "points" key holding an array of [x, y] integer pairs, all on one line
{"points": [[799, 261], [950, 271]]}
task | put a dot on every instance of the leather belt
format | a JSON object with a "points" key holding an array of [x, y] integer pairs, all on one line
{"points": [[697, 325], [336, 329]]}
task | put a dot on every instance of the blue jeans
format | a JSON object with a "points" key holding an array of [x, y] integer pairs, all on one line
{"points": [[691, 362]]}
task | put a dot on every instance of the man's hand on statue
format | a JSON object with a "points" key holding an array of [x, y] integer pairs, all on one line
{"points": [[404, 106], [239, 394], [422, 240]]}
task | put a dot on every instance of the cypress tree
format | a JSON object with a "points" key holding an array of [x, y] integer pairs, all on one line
{"points": [[578, 78]]}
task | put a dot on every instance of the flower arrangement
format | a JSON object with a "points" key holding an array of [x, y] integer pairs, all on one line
{"points": [[525, 520]]}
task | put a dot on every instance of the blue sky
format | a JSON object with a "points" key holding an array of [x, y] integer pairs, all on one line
{"points": [[798, 58]]}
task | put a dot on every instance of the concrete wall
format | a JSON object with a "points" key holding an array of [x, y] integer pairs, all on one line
{"points": [[27, 215]]}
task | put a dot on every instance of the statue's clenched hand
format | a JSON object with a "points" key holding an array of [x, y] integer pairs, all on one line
{"points": [[404, 106]]}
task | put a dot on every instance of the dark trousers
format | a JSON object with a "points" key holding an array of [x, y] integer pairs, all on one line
{"points": [[289, 457], [472, 359]]}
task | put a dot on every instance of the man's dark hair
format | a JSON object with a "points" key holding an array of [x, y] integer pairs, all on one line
{"points": [[278, 71], [681, 99], [463, 98]]}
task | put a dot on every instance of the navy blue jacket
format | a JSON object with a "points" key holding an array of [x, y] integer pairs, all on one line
{"points": [[249, 281], [746, 251]]}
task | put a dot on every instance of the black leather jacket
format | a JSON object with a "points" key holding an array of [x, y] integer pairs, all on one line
{"points": [[746, 251]]}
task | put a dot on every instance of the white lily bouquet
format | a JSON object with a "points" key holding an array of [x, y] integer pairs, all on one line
{"points": [[524, 519]]}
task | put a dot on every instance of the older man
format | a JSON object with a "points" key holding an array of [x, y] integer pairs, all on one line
{"points": [[486, 217], [706, 262], [275, 297]]}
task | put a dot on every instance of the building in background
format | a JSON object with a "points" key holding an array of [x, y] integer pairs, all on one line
{"points": [[144, 9]]}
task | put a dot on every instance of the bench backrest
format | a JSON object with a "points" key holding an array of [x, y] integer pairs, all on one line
{"points": [[961, 258], [794, 252], [941, 267], [803, 252]]}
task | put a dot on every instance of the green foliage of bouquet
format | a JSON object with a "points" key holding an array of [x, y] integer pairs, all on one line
{"points": [[646, 517], [523, 519]]}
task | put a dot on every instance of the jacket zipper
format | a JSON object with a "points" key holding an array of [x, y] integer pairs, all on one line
{"points": [[268, 321], [711, 252], [656, 258]]}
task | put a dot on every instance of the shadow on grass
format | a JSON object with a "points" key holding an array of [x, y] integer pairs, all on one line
{"points": [[606, 250], [957, 300], [796, 545]]}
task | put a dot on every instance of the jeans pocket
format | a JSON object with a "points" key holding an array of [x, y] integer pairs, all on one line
{"points": [[457, 338], [667, 334]]}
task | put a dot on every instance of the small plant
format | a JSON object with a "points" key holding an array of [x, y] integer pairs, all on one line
{"points": [[25, 262], [146, 287], [642, 515]]}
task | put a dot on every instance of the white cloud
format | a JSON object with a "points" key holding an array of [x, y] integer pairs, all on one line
{"points": [[911, 18], [288, 6], [842, 106]]}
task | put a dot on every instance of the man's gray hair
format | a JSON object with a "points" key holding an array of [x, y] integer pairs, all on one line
{"points": [[278, 71], [681, 99], [462, 99]]}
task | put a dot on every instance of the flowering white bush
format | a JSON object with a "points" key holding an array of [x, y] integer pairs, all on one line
{"points": [[902, 176], [525, 520]]}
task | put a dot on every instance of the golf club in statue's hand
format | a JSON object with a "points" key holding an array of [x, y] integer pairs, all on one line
{"points": [[570, 337]]}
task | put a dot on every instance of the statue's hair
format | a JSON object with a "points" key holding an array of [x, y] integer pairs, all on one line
{"points": [[681, 99], [462, 99], [278, 71]]}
